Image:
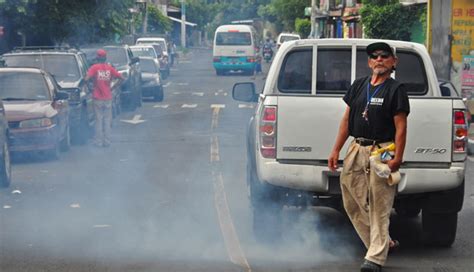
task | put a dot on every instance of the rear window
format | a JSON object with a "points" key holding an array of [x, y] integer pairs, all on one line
{"points": [[23, 85], [148, 66], [288, 38], [117, 56], [295, 74], [410, 71], [233, 38], [334, 70]]}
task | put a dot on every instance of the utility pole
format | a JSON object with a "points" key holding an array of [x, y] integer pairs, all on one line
{"points": [[183, 23], [313, 19]]}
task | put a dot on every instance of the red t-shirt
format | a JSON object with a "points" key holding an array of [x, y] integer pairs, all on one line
{"points": [[103, 74]]}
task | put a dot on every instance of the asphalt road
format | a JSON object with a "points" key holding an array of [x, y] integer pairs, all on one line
{"points": [[170, 195]]}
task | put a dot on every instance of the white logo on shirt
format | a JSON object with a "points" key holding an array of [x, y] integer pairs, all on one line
{"points": [[103, 75], [376, 101]]}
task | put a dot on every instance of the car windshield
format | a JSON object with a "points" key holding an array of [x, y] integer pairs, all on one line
{"points": [[117, 56], [143, 52], [23, 86], [62, 67], [148, 66], [233, 38], [160, 42]]}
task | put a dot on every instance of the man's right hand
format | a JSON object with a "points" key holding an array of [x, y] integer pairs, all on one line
{"points": [[332, 161]]}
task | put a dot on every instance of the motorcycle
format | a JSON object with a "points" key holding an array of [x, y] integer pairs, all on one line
{"points": [[267, 54]]}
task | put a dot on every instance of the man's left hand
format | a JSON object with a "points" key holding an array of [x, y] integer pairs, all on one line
{"points": [[394, 164]]}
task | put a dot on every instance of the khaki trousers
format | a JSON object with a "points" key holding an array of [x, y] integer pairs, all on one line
{"points": [[368, 201], [103, 121]]}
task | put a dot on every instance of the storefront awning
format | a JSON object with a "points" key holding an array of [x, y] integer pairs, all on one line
{"points": [[179, 21]]}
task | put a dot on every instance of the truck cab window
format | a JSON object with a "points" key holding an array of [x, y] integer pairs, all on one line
{"points": [[333, 70], [296, 72]]}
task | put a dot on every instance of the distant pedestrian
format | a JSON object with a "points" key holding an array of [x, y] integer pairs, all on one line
{"points": [[376, 116], [103, 75]]}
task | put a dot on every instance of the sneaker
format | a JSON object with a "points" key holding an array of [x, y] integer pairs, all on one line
{"points": [[369, 266]]}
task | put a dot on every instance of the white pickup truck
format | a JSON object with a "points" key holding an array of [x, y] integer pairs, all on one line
{"points": [[296, 122]]}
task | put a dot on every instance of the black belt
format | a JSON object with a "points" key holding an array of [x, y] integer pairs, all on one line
{"points": [[367, 142]]}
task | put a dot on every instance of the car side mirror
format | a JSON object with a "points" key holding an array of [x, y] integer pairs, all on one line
{"points": [[445, 91], [135, 60], [244, 92], [61, 95]]}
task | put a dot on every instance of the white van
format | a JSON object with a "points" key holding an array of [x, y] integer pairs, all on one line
{"points": [[286, 37], [235, 48]]}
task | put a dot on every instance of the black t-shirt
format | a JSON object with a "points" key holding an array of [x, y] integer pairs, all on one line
{"points": [[389, 99]]}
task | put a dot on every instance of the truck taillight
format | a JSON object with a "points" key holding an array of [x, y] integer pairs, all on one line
{"points": [[250, 59], [460, 131], [216, 59], [268, 125]]}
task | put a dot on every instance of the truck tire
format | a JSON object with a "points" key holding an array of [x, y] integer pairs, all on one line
{"points": [[158, 94], [439, 229], [266, 211]]}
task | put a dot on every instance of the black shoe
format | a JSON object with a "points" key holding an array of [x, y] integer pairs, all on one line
{"points": [[369, 266]]}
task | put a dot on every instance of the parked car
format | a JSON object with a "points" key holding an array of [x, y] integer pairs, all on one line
{"points": [[285, 37], [161, 48], [5, 166], [121, 57], [69, 67], [36, 109], [151, 80]]}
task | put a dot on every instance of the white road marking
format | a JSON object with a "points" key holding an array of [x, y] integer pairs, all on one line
{"points": [[215, 149], [220, 92], [101, 226], [189, 106], [167, 84], [231, 240], [7, 206], [198, 94], [246, 106], [182, 84], [135, 120], [174, 70], [177, 92], [161, 106], [75, 206], [217, 106], [215, 115], [185, 61]]}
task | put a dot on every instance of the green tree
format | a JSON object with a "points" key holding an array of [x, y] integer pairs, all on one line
{"points": [[389, 19], [284, 12], [157, 22], [303, 27]]}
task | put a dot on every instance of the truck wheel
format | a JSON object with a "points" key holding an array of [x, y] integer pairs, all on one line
{"points": [[5, 167], [439, 229], [267, 221]]}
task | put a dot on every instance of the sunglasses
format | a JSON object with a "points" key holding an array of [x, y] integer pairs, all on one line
{"points": [[384, 55]]}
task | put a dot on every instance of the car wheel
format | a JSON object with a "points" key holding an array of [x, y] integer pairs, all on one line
{"points": [[81, 133], [266, 210], [439, 229], [5, 167], [158, 95], [66, 141]]}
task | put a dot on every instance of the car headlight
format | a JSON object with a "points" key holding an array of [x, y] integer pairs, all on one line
{"points": [[34, 123]]}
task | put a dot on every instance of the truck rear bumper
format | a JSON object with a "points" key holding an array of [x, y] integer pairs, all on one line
{"points": [[318, 178]]}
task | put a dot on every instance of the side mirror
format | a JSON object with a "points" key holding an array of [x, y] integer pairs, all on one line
{"points": [[445, 91], [135, 60], [61, 95], [244, 92]]}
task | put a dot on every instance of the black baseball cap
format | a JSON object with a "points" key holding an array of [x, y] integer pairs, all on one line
{"points": [[371, 48]]}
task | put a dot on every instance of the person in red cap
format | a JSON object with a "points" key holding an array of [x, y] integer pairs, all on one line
{"points": [[103, 74], [375, 116]]}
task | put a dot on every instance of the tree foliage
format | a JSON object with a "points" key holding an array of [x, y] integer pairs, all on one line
{"points": [[157, 22], [388, 19], [303, 27]]}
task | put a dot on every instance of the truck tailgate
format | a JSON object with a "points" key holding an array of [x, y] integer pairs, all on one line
{"points": [[307, 128]]}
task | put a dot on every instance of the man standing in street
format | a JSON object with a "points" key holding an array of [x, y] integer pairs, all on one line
{"points": [[102, 74], [376, 116]]}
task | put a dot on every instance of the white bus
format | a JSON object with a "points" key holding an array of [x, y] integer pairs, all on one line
{"points": [[235, 49]]}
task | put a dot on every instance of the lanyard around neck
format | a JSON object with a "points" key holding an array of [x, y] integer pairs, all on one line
{"points": [[369, 97]]}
